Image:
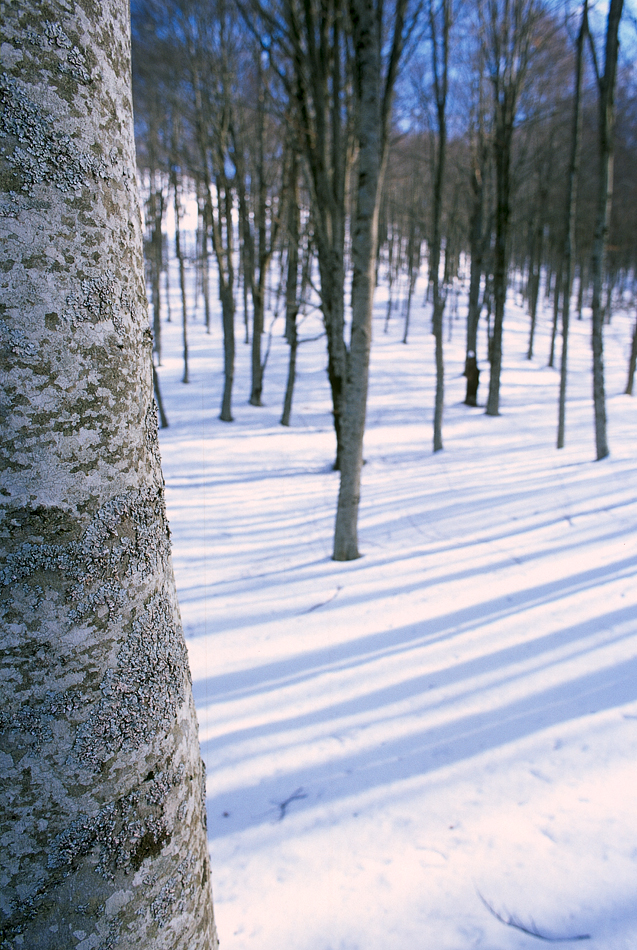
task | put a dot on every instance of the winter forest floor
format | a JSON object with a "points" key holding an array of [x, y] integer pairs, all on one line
{"points": [[449, 722]]}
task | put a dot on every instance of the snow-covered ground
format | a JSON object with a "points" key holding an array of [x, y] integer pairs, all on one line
{"points": [[449, 722]]}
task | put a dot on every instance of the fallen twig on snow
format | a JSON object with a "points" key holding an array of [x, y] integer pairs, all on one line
{"points": [[511, 921], [294, 797], [323, 602]]}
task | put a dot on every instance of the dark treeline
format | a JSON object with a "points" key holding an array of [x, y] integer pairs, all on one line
{"points": [[333, 145]]}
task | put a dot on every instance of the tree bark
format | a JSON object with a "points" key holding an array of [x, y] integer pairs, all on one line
{"points": [[291, 284], [604, 202], [315, 35], [508, 44], [536, 268], [632, 363], [102, 787], [558, 293], [163, 419], [504, 136], [373, 106], [182, 271], [439, 35], [570, 215], [156, 214]]}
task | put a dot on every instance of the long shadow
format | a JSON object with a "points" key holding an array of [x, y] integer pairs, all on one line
{"points": [[317, 569], [272, 676], [244, 619], [376, 699], [420, 753]]}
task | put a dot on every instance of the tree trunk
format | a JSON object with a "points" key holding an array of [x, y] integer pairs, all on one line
{"points": [[604, 202], [558, 293], [102, 786], [156, 214], [373, 103], [439, 37], [364, 237], [291, 285], [205, 263], [631, 364], [332, 273], [582, 278], [182, 275], [163, 419], [536, 272], [476, 239], [570, 216], [500, 264], [413, 265]]}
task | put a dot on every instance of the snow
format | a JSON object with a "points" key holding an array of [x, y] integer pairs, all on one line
{"points": [[449, 722]]}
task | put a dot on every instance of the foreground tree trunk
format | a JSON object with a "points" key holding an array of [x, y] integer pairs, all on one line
{"points": [[102, 786]]}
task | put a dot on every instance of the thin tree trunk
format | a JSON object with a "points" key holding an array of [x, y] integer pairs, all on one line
{"points": [[291, 285], [500, 265], [535, 274], [412, 276], [182, 275], [570, 215], [439, 36], [604, 202], [221, 224], [102, 788], [156, 209], [582, 277], [631, 363], [262, 256], [475, 276], [558, 293], [163, 419], [205, 264], [167, 290]]}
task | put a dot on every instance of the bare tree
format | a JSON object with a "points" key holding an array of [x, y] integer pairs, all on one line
{"points": [[570, 213], [440, 19], [102, 788], [373, 83], [606, 83], [291, 285], [508, 32]]}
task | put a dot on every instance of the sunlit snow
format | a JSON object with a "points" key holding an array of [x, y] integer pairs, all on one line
{"points": [[448, 721]]}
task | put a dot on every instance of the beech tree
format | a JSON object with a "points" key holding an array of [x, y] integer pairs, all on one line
{"points": [[440, 20], [508, 30], [606, 83], [373, 84], [570, 213], [102, 785]]}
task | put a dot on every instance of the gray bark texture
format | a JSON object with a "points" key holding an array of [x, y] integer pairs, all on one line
{"points": [[102, 806], [606, 84], [509, 42], [570, 218], [373, 109]]}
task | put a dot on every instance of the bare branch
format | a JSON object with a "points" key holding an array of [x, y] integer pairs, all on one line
{"points": [[531, 929]]}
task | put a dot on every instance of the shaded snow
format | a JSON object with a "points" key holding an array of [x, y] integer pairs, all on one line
{"points": [[454, 715]]}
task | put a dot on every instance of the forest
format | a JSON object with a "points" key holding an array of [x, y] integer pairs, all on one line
{"points": [[484, 143], [431, 745]]}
